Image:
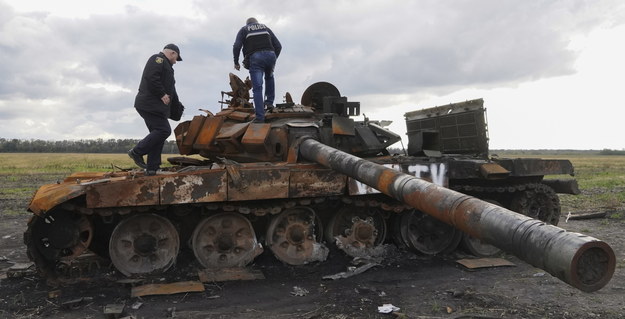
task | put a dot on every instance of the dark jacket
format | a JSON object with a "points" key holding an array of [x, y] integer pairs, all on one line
{"points": [[156, 81], [255, 37]]}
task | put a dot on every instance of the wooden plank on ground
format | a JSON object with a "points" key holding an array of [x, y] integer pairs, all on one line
{"points": [[228, 274], [485, 263], [167, 289]]}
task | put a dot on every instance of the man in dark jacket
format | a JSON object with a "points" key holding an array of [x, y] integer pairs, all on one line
{"points": [[261, 48], [156, 101]]}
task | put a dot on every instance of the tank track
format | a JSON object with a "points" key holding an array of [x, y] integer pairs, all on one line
{"points": [[186, 218], [255, 208], [533, 199]]}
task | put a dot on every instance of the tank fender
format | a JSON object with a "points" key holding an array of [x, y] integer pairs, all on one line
{"points": [[51, 195]]}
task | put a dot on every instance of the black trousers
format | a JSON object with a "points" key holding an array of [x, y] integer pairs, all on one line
{"points": [[152, 144]]}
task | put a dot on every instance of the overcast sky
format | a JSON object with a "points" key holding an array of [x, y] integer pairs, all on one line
{"points": [[551, 73]]}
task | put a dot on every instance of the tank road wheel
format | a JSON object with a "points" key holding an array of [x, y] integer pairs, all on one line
{"points": [[292, 236], [356, 231], [476, 246], [57, 235], [426, 234], [538, 201], [225, 240], [143, 244]]}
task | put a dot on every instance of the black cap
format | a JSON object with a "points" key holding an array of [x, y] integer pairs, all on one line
{"points": [[174, 47]]}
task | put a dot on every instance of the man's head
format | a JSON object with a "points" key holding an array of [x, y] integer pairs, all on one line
{"points": [[172, 52], [251, 20]]}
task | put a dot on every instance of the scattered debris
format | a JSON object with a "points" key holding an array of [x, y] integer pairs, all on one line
{"points": [[351, 271], [539, 274], [136, 305], [228, 274], [130, 281], [171, 312], [76, 303], [299, 291], [167, 289], [387, 308], [19, 270], [474, 263], [590, 215], [54, 294], [345, 244], [114, 311]]}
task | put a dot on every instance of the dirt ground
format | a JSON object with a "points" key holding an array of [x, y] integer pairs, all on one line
{"points": [[420, 286]]}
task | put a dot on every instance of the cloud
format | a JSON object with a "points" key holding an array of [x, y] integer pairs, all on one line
{"points": [[74, 67]]}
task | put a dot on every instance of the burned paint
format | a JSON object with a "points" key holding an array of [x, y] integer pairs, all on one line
{"points": [[260, 183], [432, 172], [316, 182], [129, 192], [210, 186], [48, 196]]}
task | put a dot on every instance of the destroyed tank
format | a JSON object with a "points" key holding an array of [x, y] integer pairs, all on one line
{"points": [[316, 175]]}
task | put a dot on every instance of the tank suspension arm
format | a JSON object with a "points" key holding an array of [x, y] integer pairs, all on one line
{"points": [[583, 262]]}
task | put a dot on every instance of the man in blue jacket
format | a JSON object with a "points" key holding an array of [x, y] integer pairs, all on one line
{"points": [[261, 48], [157, 101]]}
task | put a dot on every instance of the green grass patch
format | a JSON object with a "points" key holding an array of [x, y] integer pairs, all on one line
{"points": [[33, 163], [18, 190]]}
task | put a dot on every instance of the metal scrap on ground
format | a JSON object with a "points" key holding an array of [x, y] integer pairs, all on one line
{"points": [[351, 272]]}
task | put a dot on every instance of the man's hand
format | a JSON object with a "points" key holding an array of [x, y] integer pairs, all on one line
{"points": [[237, 66], [166, 99]]}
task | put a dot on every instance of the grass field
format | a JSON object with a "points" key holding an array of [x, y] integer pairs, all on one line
{"points": [[601, 178]]}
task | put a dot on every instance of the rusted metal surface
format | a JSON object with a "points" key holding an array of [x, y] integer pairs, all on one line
{"points": [[291, 237], [130, 192], [259, 183], [197, 187], [144, 244], [343, 126], [493, 171], [432, 172], [315, 182], [225, 240], [185, 136], [208, 133], [48, 196], [255, 138], [583, 262], [563, 186]]}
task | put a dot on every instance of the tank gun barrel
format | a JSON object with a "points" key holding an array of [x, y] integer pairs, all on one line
{"points": [[583, 262]]}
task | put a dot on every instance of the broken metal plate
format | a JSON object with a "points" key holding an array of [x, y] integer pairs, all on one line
{"points": [[167, 289], [485, 263]]}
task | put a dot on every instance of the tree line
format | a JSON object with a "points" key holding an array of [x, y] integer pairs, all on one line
{"points": [[123, 145], [76, 146]]}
